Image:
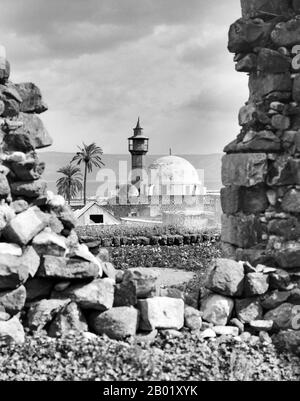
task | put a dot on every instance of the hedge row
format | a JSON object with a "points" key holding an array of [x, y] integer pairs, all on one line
{"points": [[163, 240]]}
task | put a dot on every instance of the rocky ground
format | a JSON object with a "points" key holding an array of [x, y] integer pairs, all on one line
{"points": [[184, 358]]}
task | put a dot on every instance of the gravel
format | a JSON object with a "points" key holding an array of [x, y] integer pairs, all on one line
{"points": [[185, 358]]}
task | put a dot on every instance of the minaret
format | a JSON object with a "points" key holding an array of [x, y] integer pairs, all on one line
{"points": [[138, 147]]}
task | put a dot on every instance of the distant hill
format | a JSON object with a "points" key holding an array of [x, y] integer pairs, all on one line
{"points": [[211, 164]]}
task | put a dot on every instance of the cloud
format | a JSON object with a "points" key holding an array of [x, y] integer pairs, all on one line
{"points": [[101, 63]]}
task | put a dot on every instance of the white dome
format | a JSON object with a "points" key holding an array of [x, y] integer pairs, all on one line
{"points": [[173, 175], [173, 169]]}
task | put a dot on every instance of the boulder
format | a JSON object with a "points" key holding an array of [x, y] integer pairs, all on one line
{"points": [[275, 299], [117, 323], [245, 35], [25, 226], [248, 309], [98, 295], [67, 269], [15, 270], [10, 249], [144, 279], [69, 319], [42, 312], [12, 331], [49, 243], [256, 284], [283, 316], [19, 206], [81, 252], [13, 301], [192, 318], [31, 98], [29, 189], [34, 128], [247, 63], [286, 33], [217, 309], [264, 141], [226, 278], [29, 170], [161, 313]]}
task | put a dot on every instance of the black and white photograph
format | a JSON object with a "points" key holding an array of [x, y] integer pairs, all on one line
{"points": [[149, 194]]}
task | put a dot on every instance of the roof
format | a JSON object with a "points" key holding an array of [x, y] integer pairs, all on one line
{"points": [[78, 213]]}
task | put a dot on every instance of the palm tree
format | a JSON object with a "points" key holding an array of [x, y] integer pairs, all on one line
{"points": [[71, 183], [90, 155]]}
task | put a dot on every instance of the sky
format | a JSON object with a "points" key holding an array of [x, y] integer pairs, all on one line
{"points": [[102, 63]]}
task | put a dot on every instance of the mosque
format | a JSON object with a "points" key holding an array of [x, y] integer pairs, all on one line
{"points": [[169, 185]]}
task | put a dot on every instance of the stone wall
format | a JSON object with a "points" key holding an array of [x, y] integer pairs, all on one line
{"points": [[261, 169]]}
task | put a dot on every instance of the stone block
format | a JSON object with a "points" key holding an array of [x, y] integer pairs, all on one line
{"points": [[161, 313], [29, 189], [32, 101], [245, 35], [248, 309], [42, 312], [286, 33], [12, 331], [49, 243], [69, 320], [272, 61], [67, 269], [226, 277], [25, 226], [15, 270], [35, 129], [98, 295], [217, 309], [244, 169], [13, 301], [256, 284], [264, 85], [283, 316], [117, 323], [241, 230]]}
